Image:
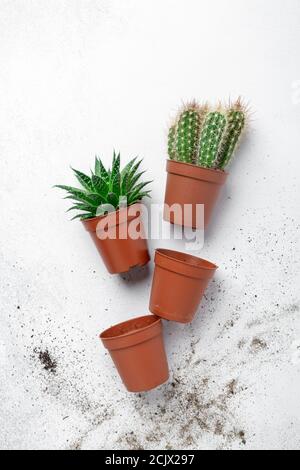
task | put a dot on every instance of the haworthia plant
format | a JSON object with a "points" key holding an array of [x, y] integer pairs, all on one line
{"points": [[106, 186], [206, 137]]}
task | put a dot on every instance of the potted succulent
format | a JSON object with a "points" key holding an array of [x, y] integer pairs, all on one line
{"points": [[201, 143], [178, 285], [136, 346], [109, 203]]}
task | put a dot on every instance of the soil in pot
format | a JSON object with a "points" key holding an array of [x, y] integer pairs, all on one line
{"points": [[137, 348], [120, 238], [191, 185], [178, 285]]}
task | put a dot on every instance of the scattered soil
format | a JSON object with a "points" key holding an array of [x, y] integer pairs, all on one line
{"points": [[46, 360], [258, 344]]}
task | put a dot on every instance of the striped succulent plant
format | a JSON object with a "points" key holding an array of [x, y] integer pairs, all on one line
{"points": [[106, 187], [205, 136]]}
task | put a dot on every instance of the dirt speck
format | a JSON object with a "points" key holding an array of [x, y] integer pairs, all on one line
{"points": [[258, 344], [241, 435], [131, 440], [232, 387], [46, 360], [241, 343], [293, 308], [219, 428], [76, 445]]}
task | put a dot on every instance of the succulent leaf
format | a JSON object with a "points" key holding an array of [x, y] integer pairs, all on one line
{"points": [[84, 180], [135, 194], [135, 178], [127, 167], [140, 186], [133, 170], [124, 183], [83, 216], [81, 206], [100, 185], [113, 199], [115, 166], [76, 194], [115, 184], [100, 170]]}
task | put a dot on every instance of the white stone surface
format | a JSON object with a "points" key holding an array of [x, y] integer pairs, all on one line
{"points": [[84, 77]]}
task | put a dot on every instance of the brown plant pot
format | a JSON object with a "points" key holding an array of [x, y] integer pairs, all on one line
{"points": [[136, 346], [178, 285], [191, 184], [118, 250]]}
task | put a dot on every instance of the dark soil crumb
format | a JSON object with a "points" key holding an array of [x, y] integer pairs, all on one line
{"points": [[219, 429], [46, 360], [293, 308], [76, 445], [241, 435], [241, 343], [131, 441], [258, 344], [231, 387]]}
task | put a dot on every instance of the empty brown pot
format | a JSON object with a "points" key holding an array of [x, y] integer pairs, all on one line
{"points": [[112, 237], [136, 346], [191, 184], [178, 285]]}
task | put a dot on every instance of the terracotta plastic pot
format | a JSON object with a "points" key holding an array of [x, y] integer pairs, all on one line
{"points": [[111, 235], [137, 349], [178, 285], [191, 184]]}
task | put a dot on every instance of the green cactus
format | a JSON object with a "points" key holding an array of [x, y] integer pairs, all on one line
{"points": [[206, 137], [235, 125], [210, 138], [171, 142], [187, 134]]}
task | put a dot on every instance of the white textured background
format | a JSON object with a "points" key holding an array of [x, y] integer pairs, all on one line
{"points": [[84, 76]]}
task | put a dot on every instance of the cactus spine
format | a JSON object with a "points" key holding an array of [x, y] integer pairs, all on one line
{"points": [[235, 125]]}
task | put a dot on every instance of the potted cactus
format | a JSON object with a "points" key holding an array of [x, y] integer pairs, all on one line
{"points": [[137, 349], [201, 143], [108, 202]]}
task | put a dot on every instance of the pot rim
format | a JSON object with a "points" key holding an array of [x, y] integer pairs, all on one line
{"points": [[191, 266], [190, 170], [209, 265], [133, 337]]}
